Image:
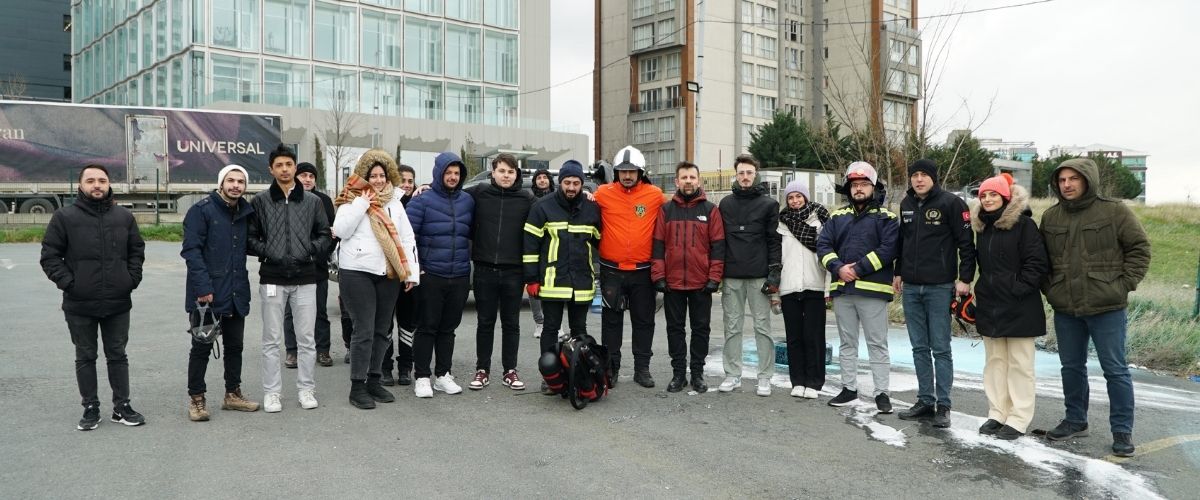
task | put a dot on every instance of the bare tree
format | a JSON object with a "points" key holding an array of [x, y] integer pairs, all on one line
{"points": [[340, 124], [16, 86]]}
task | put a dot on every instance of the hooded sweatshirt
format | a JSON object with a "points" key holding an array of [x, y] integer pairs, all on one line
{"points": [[442, 220], [1098, 250], [538, 193]]}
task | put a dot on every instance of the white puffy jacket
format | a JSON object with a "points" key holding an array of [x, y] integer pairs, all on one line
{"points": [[801, 269], [360, 251]]}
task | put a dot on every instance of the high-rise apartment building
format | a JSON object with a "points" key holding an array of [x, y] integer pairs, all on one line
{"points": [[35, 49], [433, 74], [691, 79]]}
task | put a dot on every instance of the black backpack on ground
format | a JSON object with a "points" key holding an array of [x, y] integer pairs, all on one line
{"points": [[578, 371]]}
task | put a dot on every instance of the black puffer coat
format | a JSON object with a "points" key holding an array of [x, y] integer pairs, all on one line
{"points": [[499, 218], [752, 244], [289, 234], [1012, 265], [93, 252]]}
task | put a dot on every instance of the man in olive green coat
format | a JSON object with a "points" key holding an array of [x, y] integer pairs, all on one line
{"points": [[1098, 254]]}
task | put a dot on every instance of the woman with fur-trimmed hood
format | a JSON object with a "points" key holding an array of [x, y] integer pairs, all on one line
{"points": [[377, 253], [1009, 313]]}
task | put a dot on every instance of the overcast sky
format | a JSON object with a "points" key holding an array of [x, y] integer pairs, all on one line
{"points": [[1065, 72]]}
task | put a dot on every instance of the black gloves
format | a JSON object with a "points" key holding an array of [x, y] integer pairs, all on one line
{"points": [[660, 286], [712, 286], [771, 285]]}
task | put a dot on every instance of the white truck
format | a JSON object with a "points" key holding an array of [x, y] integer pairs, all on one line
{"points": [[155, 156]]}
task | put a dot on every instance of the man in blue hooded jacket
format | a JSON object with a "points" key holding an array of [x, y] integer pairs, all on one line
{"points": [[214, 249], [441, 220]]}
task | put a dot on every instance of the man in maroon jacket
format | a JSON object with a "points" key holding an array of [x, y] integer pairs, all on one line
{"points": [[689, 259]]}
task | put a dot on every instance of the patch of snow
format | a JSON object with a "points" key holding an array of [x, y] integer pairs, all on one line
{"points": [[862, 415]]}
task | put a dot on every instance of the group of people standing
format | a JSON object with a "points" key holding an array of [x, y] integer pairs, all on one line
{"points": [[407, 259]]}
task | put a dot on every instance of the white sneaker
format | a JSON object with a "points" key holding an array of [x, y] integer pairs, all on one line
{"points": [[563, 335], [799, 392], [537, 331], [810, 393], [271, 403], [764, 387], [421, 388], [445, 383], [730, 383], [308, 400]]}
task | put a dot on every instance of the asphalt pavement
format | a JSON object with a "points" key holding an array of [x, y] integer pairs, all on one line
{"points": [[507, 444]]}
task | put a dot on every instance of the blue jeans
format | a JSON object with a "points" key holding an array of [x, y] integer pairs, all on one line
{"points": [[1107, 332], [927, 313]]}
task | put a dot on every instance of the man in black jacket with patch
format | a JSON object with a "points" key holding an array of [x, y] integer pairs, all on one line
{"points": [[93, 252], [935, 261], [289, 233], [501, 207]]}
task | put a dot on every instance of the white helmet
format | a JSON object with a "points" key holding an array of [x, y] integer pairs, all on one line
{"points": [[629, 158]]}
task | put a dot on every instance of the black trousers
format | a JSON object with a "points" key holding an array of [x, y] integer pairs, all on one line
{"points": [[804, 323], [406, 324], [233, 328], [678, 305], [371, 300], [320, 330], [552, 311], [497, 289], [114, 331], [441, 301], [639, 295], [347, 324]]}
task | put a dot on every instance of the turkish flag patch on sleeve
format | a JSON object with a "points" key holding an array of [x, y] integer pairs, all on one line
{"points": [[967, 216]]}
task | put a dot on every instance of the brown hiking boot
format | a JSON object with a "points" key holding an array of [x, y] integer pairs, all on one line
{"points": [[324, 359], [197, 410], [235, 401]]}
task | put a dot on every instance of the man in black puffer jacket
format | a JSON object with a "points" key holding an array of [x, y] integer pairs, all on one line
{"points": [[289, 232], [93, 252], [501, 207], [752, 266]]}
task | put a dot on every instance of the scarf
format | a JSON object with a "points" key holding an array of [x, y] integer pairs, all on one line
{"points": [[795, 220], [381, 224]]}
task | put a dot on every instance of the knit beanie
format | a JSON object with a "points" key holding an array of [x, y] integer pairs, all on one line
{"points": [[998, 184], [570, 168], [926, 166], [303, 167], [229, 168], [797, 186]]}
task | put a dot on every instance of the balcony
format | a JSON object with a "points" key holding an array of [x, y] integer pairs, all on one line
{"points": [[661, 104]]}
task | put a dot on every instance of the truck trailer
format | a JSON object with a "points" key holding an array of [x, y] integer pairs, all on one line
{"points": [[155, 156]]}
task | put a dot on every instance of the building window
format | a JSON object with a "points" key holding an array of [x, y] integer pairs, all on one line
{"points": [[235, 79], [463, 52], [766, 47], [914, 55], [463, 103], [747, 12], [666, 5], [671, 66], [666, 129], [177, 26], [747, 73], [766, 106], [380, 39], [66, 62], [336, 37], [643, 131], [896, 51], [500, 107], [380, 94], [177, 87], [500, 13], [147, 27], [500, 58], [793, 87], [198, 82], [747, 135], [286, 84], [766, 77], [895, 81], [747, 43], [914, 84], [793, 58], [794, 32], [650, 100], [648, 69], [666, 160], [431, 7], [383, 3], [642, 8], [673, 98], [826, 49], [235, 24], [423, 99], [286, 27], [422, 47], [197, 22], [465, 10], [335, 89], [766, 16], [666, 32], [66, 22], [643, 36]]}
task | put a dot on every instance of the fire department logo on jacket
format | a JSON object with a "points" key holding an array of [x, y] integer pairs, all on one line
{"points": [[640, 210]]}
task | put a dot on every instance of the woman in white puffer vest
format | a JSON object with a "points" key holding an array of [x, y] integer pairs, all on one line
{"points": [[377, 254], [802, 289]]}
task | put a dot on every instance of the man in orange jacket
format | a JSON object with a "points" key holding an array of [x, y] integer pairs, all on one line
{"points": [[629, 208]]}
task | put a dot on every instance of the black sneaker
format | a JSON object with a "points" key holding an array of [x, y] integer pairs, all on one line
{"points": [[884, 403], [698, 384], [91, 418], [1122, 444], [677, 383], [1008, 433], [1067, 430], [378, 393], [405, 378], [918, 411], [844, 398], [990, 427], [941, 417], [387, 379], [124, 414], [643, 379], [360, 397]]}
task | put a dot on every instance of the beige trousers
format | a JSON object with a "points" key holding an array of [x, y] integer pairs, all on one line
{"points": [[1008, 381]]}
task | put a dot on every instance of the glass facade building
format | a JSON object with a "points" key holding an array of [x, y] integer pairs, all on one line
{"points": [[454, 60]]}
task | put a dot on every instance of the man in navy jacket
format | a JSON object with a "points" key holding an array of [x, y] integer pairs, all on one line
{"points": [[214, 248], [441, 220]]}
